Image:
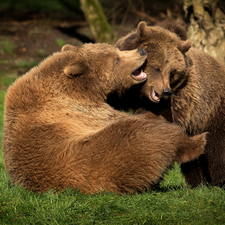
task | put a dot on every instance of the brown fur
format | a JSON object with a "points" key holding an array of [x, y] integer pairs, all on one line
{"points": [[59, 132], [197, 103]]}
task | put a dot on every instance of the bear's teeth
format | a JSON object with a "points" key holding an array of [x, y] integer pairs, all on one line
{"points": [[154, 95], [139, 75], [143, 75]]}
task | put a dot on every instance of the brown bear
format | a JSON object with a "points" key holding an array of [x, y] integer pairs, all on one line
{"points": [[186, 86], [59, 131]]}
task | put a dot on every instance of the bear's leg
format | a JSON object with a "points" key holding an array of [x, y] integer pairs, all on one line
{"points": [[127, 156], [215, 154], [196, 172], [131, 155]]}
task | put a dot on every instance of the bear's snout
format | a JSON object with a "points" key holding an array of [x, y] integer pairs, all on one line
{"points": [[166, 93], [142, 52]]}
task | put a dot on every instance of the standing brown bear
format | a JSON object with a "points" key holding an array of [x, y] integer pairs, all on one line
{"points": [[187, 86], [59, 131]]}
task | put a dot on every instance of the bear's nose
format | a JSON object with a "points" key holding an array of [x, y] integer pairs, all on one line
{"points": [[166, 93], [142, 52]]}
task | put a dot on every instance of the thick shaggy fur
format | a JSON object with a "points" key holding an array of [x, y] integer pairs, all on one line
{"points": [[59, 132], [197, 83]]}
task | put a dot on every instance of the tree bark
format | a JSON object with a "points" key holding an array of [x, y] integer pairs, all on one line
{"points": [[96, 19], [207, 27]]}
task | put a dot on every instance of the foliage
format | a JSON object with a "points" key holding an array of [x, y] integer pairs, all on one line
{"points": [[67, 7]]}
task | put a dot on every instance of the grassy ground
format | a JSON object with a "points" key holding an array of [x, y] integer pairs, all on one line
{"points": [[173, 203]]}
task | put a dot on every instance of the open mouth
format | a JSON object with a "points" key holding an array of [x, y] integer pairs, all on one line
{"points": [[154, 96], [139, 75]]}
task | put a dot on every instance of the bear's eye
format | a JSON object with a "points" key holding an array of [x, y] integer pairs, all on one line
{"points": [[117, 60], [157, 70]]}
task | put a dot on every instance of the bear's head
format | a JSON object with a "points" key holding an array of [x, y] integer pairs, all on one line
{"points": [[85, 74], [102, 68], [167, 63]]}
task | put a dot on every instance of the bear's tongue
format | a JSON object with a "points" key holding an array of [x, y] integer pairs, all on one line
{"points": [[139, 75], [153, 94]]}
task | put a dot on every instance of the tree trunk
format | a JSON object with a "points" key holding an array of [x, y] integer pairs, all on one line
{"points": [[207, 27], [96, 19]]}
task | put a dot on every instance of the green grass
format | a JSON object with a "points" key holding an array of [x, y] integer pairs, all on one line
{"points": [[5, 80], [5, 61], [41, 53], [7, 47], [25, 64], [173, 203], [60, 42]]}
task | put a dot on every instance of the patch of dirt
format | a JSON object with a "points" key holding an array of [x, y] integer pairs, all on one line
{"points": [[34, 40]]}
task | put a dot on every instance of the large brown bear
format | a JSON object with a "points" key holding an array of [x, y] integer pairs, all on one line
{"points": [[187, 86], [59, 132]]}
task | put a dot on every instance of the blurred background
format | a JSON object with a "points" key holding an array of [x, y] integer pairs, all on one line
{"points": [[30, 30]]}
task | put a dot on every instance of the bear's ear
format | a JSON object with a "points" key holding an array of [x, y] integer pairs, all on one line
{"points": [[133, 40], [141, 29], [68, 48], [184, 46], [74, 70]]}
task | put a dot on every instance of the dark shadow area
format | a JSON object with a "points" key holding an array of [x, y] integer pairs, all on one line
{"points": [[72, 32]]}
